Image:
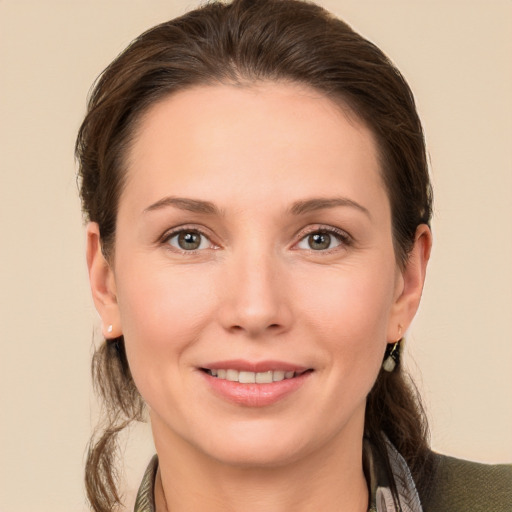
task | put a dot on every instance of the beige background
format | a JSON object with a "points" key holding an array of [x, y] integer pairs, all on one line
{"points": [[457, 56]]}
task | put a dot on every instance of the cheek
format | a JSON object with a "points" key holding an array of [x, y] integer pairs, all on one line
{"points": [[349, 309], [162, 311], [351, 300]]}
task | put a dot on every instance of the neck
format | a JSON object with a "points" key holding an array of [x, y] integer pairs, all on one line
{"points": [[331, 479]]}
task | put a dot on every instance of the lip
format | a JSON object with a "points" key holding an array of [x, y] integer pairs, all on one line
{"points": [[260, 366], [255, 395]]}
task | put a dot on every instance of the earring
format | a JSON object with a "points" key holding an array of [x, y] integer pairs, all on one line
{"points": [[392, 354], [109, 328]]}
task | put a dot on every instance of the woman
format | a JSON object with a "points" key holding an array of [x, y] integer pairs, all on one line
{"points": [[256, 183]]}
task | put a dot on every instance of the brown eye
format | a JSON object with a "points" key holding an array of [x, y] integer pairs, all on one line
{"points": [[189, 241]]}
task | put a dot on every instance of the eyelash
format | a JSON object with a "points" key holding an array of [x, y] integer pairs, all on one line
{"points": [[342, 236], [165, 239]]}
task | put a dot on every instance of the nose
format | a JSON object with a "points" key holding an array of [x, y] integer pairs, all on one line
{"points": [[255, 299]]}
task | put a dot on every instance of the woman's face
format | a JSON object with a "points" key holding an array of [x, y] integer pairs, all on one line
{"points": [[254, 243]]}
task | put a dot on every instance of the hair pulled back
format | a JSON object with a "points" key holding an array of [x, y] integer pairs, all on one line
{"points": [[244, 42]]}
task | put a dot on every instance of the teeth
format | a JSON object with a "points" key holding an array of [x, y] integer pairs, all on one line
{"points": [[246, 377], [278, 375], [264, 377], [252, 377], [232, 375]]}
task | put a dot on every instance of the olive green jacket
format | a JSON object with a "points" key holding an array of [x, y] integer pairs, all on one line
{"points": [[455, 486], [462, 486]]}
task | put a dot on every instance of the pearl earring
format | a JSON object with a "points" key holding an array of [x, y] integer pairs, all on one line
{"points": [[109, 328], [392, 354]]}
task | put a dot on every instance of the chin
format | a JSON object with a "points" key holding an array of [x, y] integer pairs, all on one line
{"points": [[256, 454], [261, 444]]}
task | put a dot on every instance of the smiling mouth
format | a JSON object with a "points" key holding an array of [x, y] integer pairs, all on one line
{"points": [[246, 377]]}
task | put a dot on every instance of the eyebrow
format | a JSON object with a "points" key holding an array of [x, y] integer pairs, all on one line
{"points": [[311, 205], [298, 208], [191, 205]]}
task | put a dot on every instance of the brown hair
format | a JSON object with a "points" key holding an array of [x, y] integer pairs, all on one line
{"points": [[244, 42]]}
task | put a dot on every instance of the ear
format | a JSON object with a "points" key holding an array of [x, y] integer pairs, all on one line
{"points": [[103, 287], [410, 282]]}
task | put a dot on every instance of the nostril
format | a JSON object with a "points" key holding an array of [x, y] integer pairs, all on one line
{"points": [[271, 327]]}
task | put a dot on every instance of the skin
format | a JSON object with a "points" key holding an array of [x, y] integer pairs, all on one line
{"points": [[256, 290]]}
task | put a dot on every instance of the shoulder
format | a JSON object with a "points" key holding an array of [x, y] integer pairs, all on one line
{"points": [[462, 486]]}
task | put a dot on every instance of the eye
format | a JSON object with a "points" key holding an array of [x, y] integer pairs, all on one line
{"points": [[323, 240], [189, 240]]}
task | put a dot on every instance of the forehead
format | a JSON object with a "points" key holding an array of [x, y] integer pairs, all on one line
{"points": [[251, 138]]}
